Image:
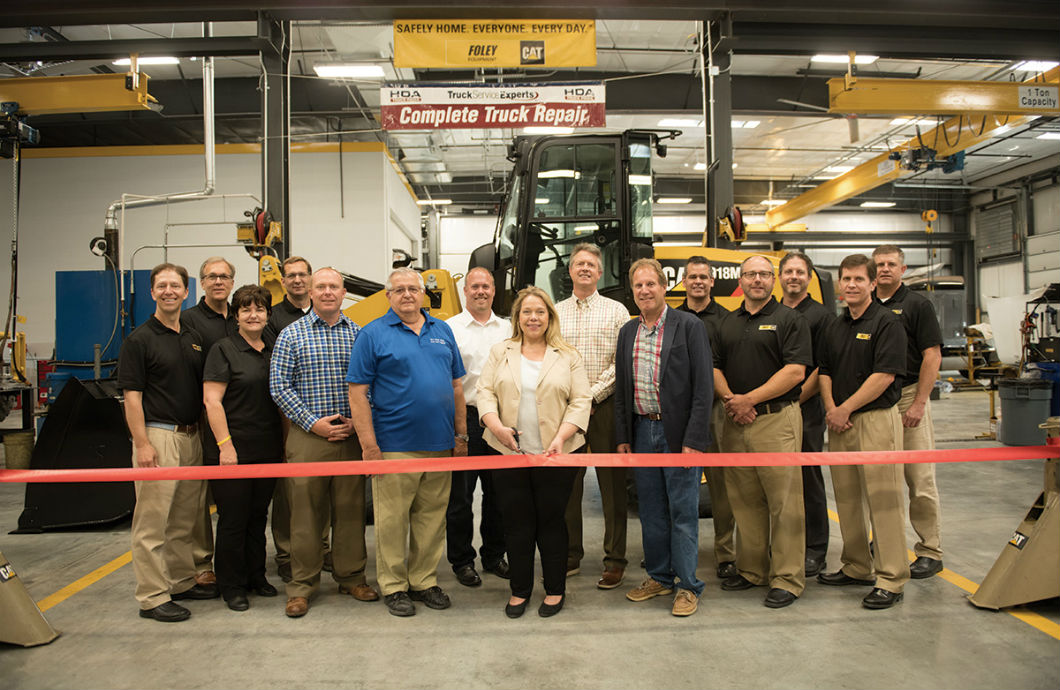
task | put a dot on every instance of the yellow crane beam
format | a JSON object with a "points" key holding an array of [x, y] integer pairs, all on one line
{"points": [[953, 135], [83, 93]]}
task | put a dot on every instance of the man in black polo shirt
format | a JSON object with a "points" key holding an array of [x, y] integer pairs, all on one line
{"points": [[923, 358], [764, 351], [795, 271], [699, 281], [212, 320], [160, 375], [862, 353]]}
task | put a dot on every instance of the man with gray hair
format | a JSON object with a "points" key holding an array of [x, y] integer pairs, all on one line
{"points": [[409, 363]]}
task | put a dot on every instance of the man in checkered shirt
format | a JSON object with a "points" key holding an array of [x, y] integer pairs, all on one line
{"points": [[590, 322]]}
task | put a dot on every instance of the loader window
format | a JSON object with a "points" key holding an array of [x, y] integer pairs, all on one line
{"points": [[552, 244], [576, 180], [640, 186]]}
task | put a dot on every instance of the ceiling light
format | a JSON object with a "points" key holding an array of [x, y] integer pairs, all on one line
{"points": [[548, 174], [585, 228], [675, 200], [734, 165], [349, 70], [700, 166], [772, 202], [839, 168], [1035, 66], [433, 202], [644, 180], [548, 130], [751, 124], [877, 204], [679, 122], [845, 59], [540, 201], [909, 121], [125, 62], [1048, 135]]}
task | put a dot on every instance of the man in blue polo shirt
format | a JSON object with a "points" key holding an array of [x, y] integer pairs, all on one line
{"points": [[409, 363]]}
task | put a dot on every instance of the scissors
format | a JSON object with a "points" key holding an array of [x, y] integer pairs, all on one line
{"points": [[515, 433]]}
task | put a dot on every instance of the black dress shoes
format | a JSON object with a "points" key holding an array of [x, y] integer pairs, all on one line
{"points": [[779, 598], [841, 579], [167, 613], [500, 569], [924, 567], [881, 599], [433, 597], [814, 566], [264, 589], [727, 569], [467, 576], [197, 592], [549, 610], [515, 610], [238, 602], [736, 583]]}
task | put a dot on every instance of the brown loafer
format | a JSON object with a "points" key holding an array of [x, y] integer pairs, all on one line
{"points": [[611, 578], [206, 577], [361, 592], [297, 607]]}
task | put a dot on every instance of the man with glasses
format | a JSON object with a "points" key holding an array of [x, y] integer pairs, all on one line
{"points": [[409, 363], [763, 353], [212, 319]]}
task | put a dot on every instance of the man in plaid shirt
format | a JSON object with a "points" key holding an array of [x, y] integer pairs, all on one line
{"points": [[308, 382], [590, 322]]}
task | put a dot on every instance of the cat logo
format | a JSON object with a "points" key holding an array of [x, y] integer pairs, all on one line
{"points": [[6, 573], [768, 327], [1018, 540], [864, 336], [531, 52], [897, 311]]}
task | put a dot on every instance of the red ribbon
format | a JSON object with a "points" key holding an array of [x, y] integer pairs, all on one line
{"points": [[494, 462]]}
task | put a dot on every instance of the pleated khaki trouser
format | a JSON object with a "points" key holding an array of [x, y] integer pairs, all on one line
{"points": [[925, 513], [721, 509], [163, 520], [880, 486], [767, 501], [410, 524]]}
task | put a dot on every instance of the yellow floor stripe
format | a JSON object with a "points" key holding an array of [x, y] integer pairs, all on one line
{"points": [[1035, 620], [81, 583]]}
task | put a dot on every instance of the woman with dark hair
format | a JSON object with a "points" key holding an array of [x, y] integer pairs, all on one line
{"points": [[246, 424], [533, 397]]}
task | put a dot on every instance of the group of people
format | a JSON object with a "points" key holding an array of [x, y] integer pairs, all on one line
{"points": [[245, 382]]}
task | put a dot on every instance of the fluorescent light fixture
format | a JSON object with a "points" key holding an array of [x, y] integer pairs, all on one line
{"points": [[675, 200], [751, 124], [585, 228], [540, 200], [433, 202], [700, 166], [125, 62], [772, 202], [877, 204], [1001, 130], [845, 59], [548, 130], [734, 165], [910, 121], [839, 168], [679, 122], [1048, 135], [349, 70], [639, 179], [549, 174], [1035, 66]]}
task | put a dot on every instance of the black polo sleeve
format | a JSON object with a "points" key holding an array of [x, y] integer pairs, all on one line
{"points": [[796, 347], [888, 356], [217, 368], [132, 366]]}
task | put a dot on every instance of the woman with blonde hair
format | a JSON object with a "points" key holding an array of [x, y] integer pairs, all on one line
{"points": [[533, 398]]}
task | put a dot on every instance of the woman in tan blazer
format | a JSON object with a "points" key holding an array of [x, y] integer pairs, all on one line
{"points": [[533, 397]]}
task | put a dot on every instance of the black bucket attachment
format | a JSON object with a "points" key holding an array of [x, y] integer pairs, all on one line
{"points": [[85, 428]]}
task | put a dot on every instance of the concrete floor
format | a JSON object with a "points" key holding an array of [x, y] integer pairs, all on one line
{"points": [[933, 639]]}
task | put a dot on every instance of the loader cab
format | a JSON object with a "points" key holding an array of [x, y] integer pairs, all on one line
{"points": [[565, 190]]}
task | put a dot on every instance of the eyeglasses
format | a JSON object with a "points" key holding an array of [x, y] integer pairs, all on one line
{"points": [[412, 290], [216, 277], [751, 275]]}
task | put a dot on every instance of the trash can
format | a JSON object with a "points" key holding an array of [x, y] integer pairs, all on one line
{"points": [[1024, 405], [18, 449], [1050, 371]]}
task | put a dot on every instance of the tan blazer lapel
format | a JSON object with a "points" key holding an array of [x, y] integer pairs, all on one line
{"points": [[551, 357], [513, 359]]}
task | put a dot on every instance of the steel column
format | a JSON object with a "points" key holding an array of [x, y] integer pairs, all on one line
{"points": [[275, 109]]}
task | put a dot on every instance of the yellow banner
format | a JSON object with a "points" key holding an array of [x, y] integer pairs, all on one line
{"points": [[495, 43]]}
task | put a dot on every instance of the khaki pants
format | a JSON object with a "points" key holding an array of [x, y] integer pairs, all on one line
{"points": [[281, 523], [600, 437], [879, 486], [163, 520], [924, 510], [767, 501], [311, 500], [721, 510], [410, 524]]}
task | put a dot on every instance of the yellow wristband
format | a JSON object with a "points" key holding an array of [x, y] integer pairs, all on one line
{"points": [[224, 440]]}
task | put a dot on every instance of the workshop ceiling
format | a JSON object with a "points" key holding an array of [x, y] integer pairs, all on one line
{"points": [[650, 66]]}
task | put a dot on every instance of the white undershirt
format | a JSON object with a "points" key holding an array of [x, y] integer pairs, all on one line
{"points": [[529, 432]]}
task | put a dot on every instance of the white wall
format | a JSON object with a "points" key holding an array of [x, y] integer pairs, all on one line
{"points": [[458, 236], [64, 200]]}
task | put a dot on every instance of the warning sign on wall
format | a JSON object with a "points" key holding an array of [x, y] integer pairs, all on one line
{"points": [[495, 43], [485, 106]]}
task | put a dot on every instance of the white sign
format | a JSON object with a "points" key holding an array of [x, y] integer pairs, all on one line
{"points": [[1036, 97]]}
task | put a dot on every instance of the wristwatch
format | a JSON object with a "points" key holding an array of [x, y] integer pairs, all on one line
{"points": [[462, 437]]}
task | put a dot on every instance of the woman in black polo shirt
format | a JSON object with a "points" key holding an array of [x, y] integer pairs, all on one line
{"points": [[246, 423]]}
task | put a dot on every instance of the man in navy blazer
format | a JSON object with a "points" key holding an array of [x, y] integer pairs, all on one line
{"points": [[664, 389]]}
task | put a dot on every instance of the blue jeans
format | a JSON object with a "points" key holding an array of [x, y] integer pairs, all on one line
{"points": [[669, 512]]}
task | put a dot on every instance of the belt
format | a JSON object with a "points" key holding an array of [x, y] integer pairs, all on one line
{"points": [[653, 416], [178, 428], [770, 408]]}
